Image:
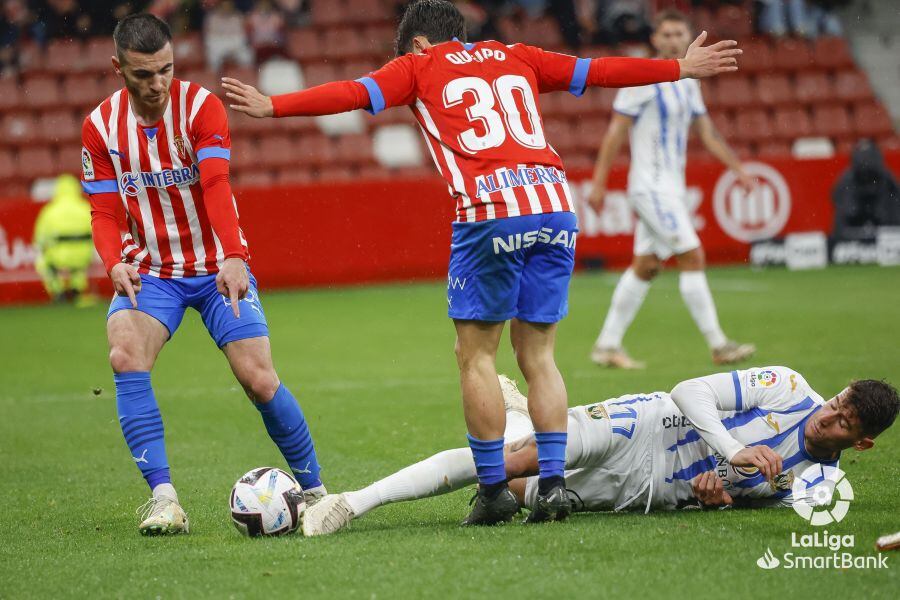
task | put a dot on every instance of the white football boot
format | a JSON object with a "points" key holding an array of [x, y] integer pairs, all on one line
{"points": [[513, 399], [162, 515], [732, 352], [313, 495], [329, 515]]}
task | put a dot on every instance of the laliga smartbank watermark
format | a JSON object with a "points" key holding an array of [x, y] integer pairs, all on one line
{"points": [[821, 496]]}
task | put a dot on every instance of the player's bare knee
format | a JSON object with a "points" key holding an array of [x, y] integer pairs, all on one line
{"points": [[647, 268], [692, 260], [124, 360], [260, 384]]}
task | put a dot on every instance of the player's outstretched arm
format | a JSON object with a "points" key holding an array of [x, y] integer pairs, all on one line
{"points": [[706, 61], [326, 99]]}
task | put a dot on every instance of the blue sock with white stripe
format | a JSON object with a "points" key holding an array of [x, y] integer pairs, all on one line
{"points": [[489, 463], [142, 425], [551, 451], [286, 426]]}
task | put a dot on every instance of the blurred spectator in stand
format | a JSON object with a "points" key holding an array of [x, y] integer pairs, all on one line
{"points": [[62, 238], [622, 21], [65, 19], [105, 14], [266, 26], [181, 15], [566, 15], [17, 25], [806, 18], [225, 36], [866, 196], [295, 12]]}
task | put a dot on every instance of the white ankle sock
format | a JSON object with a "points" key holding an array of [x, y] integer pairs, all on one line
{"points": [[165, 489], [439, 474], [695, 292], [517, 426], [626, 301]]}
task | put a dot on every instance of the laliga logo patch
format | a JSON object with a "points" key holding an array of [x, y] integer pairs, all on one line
{"points": [[87, 165], [767, 378], [822, 495]]}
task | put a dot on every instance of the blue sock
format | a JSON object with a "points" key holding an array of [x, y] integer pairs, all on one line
{"points": [[287, 428], [551, 450], [489, 464], [142, 425]]}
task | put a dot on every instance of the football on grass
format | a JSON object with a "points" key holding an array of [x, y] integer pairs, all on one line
{"points": [[266, 501]]}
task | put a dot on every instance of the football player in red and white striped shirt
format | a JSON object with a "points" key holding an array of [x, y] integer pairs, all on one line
{"points": [[155, 161], [513, 244]]}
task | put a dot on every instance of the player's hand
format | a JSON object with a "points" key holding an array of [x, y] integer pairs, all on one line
{"points": [[708, 489], [598, 195], [762, 457], [706, 61], [232, 281], [126, 281], [247, 99]]}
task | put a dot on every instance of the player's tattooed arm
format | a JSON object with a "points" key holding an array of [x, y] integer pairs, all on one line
{"points": [[706, 61]]}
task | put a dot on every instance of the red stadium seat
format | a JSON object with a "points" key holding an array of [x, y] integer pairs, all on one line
{"points": [[774, 89], [304, 45], [244, 152], [775, 148], [733, 22], [735, 92], [317, 74], [188, 51], [255, 178], [561, 135], [379, 41], [277, 150], [37, 161], [753, 125], [872, 120], [724, 123], [315, 150], [10, 95], [359, 68], [68, 158], [98, 54], [335, 174], [589, 133], [758, 56], [343, 44], [813, 88], [793, 55], [204, 78], [83, 91], [364, 11], [331, 12], [7, 165], [109, 83], [831, 121], [792, 122], [64, 56], [355, 149], [60, 127], [18, 129], [832, 53], [42, 92], [852, 86], [295, 175]]}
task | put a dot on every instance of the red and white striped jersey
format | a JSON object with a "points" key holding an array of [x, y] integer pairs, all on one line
{"points": [[477, 105], [155, 170]]}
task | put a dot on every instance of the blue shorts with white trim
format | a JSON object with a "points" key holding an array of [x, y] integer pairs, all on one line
{"points": [[518, 267], [167, 299]]}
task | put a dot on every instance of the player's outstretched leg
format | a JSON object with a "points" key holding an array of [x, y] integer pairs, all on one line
{"points": [[251, 362], [476, 349], [626, 302], [695, 291], [547, 404], [135, 340]]}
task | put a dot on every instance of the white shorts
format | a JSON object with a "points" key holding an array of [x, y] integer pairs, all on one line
{"points": [[664, 225], [609, 454]]}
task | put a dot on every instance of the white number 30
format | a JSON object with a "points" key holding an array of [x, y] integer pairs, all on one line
{"points": [[482, 111]]}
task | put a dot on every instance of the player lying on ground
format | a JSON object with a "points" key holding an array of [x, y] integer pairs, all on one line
{"points": [[160, 147], [732, 438], [660, 118], [513, 243]]}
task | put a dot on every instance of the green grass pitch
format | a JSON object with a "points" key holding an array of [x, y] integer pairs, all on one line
{"points": [[374, 370]]}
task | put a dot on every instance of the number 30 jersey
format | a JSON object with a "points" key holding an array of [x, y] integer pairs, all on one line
{"points": [[477, 105]]}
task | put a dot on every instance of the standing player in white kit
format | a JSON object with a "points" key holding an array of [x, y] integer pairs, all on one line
{"points": [[659, 118]]}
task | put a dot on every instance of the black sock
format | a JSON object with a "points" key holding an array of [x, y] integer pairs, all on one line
{"points": [[545, 484], [492, 490]]}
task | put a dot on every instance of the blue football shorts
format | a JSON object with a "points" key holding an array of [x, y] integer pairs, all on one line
{"points": [[166, 300], [518, 267]]}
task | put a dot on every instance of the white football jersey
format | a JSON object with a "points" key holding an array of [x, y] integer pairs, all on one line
{"points": [[662, 115], [759, 406]]}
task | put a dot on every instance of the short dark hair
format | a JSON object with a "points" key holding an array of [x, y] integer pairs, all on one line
{"points": [[876, 404], [142, 33], [669, 15], [438, 20]]}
